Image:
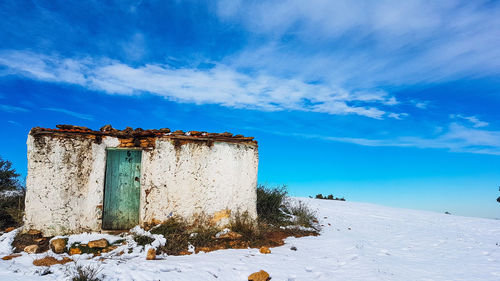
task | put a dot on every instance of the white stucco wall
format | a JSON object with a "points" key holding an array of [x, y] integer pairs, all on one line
{"points": [[65, 183]]}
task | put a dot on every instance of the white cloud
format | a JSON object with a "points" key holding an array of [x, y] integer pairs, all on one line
{"points": [[398, 116], [476, 123], [421, 104], [43, 67], [218, 85]]}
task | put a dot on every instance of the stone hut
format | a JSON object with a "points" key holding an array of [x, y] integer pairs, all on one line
{"points": [[84, 180]]}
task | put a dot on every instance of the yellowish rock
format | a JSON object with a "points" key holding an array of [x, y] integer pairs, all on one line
{"points": [[259, 276], [151, 254], [34, 232], [101, 243], [220, 215], [31, 249], [58, 245], [264, 250], [109, 249], [75, 251]]}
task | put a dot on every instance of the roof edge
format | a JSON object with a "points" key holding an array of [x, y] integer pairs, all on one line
{"points": [[128, 132]]}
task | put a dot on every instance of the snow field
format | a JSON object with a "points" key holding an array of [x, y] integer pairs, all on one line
{"points": [[358, 242]]}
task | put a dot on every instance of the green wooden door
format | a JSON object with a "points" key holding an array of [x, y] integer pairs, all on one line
{"points": [[122, 188]]}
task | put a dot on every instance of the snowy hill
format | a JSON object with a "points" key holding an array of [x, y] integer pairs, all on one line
{"points": [[358, 242]]}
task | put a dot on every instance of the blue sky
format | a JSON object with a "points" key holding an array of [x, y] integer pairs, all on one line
{"points": [[391, 102]]}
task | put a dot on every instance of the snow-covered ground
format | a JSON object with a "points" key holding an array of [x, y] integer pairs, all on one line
{"points": [[358, 242]]}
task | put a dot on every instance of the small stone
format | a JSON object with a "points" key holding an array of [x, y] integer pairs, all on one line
{"points": [[202, 249], [107, 128], [34, 232], [72, 127], [151, 254], [9, 229], [230, 235], [58, 245], [178, 133], [259, 276], [31, 249], [264, 250], [109, 249], [75, 251], [128, 130], [226, 134], [9, 257], [101, 243]]}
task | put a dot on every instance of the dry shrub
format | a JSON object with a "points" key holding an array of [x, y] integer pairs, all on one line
{"points": [[86, 273], [274, 208], [270, 202], [143, 240], [243, 224], [302, 215], [175, 232], [202, 236]]}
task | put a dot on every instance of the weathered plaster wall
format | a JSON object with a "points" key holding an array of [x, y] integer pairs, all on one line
{"points": [[65, 183], [193, 179]]}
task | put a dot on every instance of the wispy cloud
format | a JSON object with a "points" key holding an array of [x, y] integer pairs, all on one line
{"points": [[398, 116], [14, 123], [457, 138], [421, 104], [476, 123], [370, 43], [70, 113], [217, 85], [12, 108]]}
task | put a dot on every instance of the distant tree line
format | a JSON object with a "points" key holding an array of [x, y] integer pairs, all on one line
{"points": [[329, 197]]}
